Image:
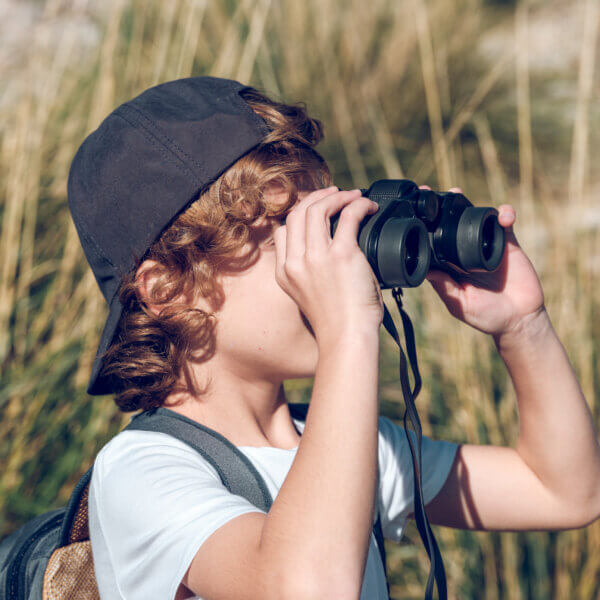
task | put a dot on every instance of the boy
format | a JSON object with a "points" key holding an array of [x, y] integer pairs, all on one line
{"points": [[179, 199]]}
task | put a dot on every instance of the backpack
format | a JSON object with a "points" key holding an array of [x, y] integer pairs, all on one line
{"points": [[50, 557]]}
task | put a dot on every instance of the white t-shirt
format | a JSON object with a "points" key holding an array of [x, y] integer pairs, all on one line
{"points": [[154, 500]]}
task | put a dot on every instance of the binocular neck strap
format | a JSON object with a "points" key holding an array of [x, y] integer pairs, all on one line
{"points": [[437, 565]]}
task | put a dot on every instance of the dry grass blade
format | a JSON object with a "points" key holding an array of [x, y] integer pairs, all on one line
{"points": [[250, 50], [342, 113], [164, 41], [434, 109], [14, 145], [223, 66], [579, 148], [383, 139], [524, 110], [191, 23], [495, 175]]}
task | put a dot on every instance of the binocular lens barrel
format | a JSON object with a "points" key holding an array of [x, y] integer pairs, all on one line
{"points": [[403, 253], [479, 239]]}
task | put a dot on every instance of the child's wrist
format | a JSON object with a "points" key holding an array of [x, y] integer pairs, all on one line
{"points": [[356, 335], [528, 330]]}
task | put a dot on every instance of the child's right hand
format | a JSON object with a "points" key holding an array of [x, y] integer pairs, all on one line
{"points": [[330, 280]]}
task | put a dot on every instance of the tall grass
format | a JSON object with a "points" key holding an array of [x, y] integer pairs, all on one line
{"points": [[445, 93]]}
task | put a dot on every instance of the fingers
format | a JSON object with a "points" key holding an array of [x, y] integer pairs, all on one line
{"points": [[318, 225], [507, 215], [308, 230], [350, 219], [296, 221], [455, 190]]}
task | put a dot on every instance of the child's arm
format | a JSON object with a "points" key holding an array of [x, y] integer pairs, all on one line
{"points": [[551, 480]]}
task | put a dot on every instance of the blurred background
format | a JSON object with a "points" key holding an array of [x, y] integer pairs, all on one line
{"points": [[497, 97]]}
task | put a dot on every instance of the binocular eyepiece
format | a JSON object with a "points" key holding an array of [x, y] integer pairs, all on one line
{"points": [[417, 230]]}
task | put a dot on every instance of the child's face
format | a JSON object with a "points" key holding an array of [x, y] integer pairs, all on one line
{"points": [[261, 332]]}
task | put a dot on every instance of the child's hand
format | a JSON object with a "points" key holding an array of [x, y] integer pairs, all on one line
{"points": [[330, 279], [495, 302]]}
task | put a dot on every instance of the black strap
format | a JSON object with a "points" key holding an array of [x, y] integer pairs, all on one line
{"points": [[437, 565]]}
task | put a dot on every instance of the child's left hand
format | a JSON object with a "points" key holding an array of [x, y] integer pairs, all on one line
{"points": [[495, 302]]}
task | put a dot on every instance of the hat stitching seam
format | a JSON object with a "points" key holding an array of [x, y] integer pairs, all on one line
{"points": [[157, 131], [155, 141], [94, 246], [161, 132], [179, 164]]}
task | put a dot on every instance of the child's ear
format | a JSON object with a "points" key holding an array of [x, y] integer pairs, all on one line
{"points": [[146, 279], [147, 275]]}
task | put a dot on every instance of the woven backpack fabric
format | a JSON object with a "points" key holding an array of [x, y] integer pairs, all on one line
{"points": [[50, 557]]}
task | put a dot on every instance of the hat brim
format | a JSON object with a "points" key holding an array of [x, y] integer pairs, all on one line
{"points": [[98, 386]]}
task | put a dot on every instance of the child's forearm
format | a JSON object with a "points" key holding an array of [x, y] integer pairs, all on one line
{"points": [[320, 522], [557, 439]]}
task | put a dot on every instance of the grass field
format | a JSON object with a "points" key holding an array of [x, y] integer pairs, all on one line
{"points": [[499, 98]]}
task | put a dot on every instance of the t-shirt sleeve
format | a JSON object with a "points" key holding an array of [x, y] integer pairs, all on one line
{"points": [[396, 478], [158, 500]]}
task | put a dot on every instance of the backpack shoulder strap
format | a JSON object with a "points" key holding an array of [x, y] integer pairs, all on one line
{"points": [[236, 471], [74, 526]]}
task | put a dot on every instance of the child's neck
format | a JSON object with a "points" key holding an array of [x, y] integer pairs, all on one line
{"points": [[243, 427]]}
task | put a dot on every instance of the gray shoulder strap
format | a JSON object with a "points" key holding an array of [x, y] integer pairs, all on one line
{"points": [[236, 471]]}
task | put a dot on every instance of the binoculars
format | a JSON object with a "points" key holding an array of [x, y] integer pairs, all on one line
{"points": [[417, 230]]}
